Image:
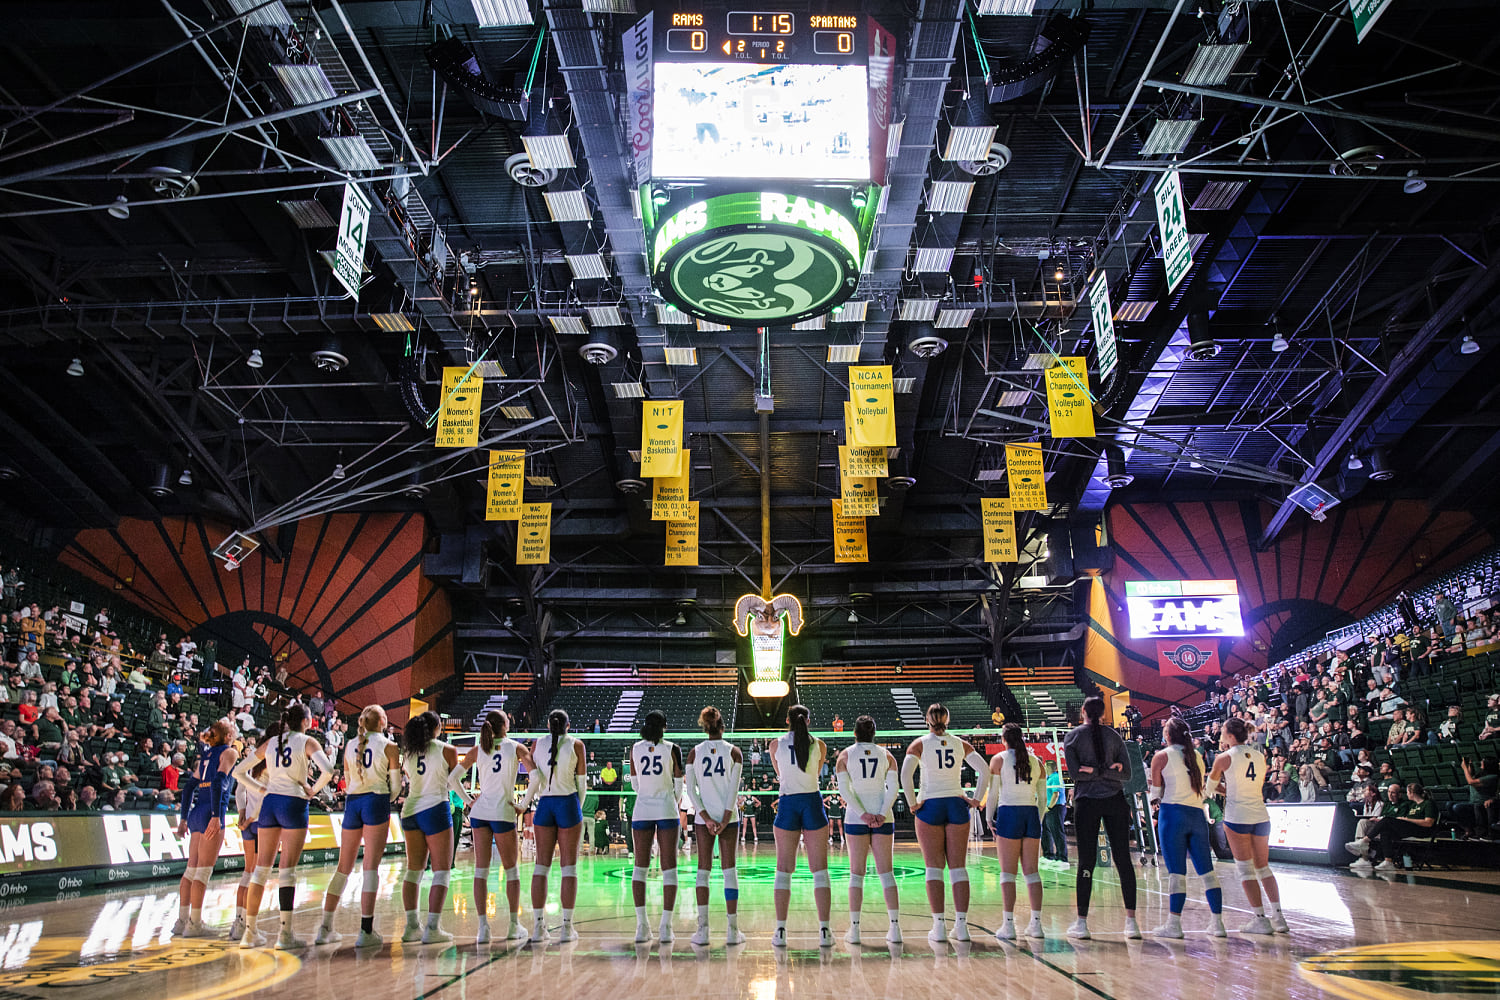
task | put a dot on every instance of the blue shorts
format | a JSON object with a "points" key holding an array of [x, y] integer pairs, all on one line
{"points": [[860, 830], [561, 811], [802, 811], [655, 824], [283, 812], [951, 810], [367, 809], [250, 832], [1261, 829], [201, 813], [1018, 823], [432, 820], [492, 825]]}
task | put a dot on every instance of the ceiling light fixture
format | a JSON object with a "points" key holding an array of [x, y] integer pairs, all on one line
{"points": [[1279, 343], [186, 479], [570, 325], [350, 152], [1353, 463], [75, 368], [338, 471], [605, 315], [120, 207], [1413, 184], [681, 618], [255, 360], [853, 618], [843, 354], [502, 13], [305, 82], [392, 322], [568, 206], [1468, 345]]}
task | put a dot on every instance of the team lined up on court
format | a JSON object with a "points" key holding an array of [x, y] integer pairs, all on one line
{"points": [[274, 784]]}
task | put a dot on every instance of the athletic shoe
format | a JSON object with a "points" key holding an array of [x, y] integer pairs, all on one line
{"points": [[1361, 863], [1258, 925], [1170, 929], [1388, 866], [1007, 931], [852, 934], [1359, 847], [960, 931], [287, 941], [435, 935], [252, 939], [1132, 929], [700, 936], [1216, 926], [413, 933], [665, 934], [197, 929], [515, 932], [1034, 929], [778, 940], [642, 933], [825, 938], [567, 933], [1279, 924], [483, 934], [736, 936], [938, 934], [327, 936], [368, 939], [237, 929], [179, 926], [539, 932], [1079, 929], [893, 936]]}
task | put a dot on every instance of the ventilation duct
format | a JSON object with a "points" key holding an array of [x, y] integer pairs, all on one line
{"points": [[457, 65], [1060, 40]]}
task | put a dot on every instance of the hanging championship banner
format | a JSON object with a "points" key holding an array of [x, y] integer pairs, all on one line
{"points": [[850, 543], [661, 438], [669, 494], [458, 412], [862, 460], [682, 538], [872, 390], [1069, 403], [859, 497], [507, 477], [1028, 482], [534, 534], [999, 530]]}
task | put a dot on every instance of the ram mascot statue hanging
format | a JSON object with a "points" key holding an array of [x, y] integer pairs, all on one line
{"points": [[762, 621]]}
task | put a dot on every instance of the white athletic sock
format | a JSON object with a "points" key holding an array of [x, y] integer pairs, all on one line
{"points": [[484, 919], [327, 920], [411, 918], [1010, 916], [734, 921], [239, 911], [894, 915], [854, 919], [1274, 904], [961, 916], [702, 914], [567, 915], [432, 921], [781, 925], [937, 920], [195, 914], [1259, 911], [182, 911], [822, 925], [640, 915]]}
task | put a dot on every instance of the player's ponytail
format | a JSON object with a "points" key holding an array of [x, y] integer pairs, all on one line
{"points": [[419, 732], [557, 725], [937, 717], [796, 720], [1093, 710], [1017, 743], [1177, 732], [496, 724], [711, 721], [864, 729], [654, 726], [1236, 727], [370, 719]]}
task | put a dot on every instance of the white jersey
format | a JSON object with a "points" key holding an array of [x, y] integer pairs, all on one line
{"points": [[286, 765], [942, 758], [426, 778], [368, 771], [1177, 786], [497, 782], [247, 801], [794, 780], [562, 780], [1243, 799], [714, 769], [868, 766], [1011, 792], [651, 767]]}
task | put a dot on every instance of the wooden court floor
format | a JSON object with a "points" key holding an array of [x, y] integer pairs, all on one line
{"points": [[1407, 936]]}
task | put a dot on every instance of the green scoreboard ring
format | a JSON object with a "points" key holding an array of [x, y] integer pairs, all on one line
{"points": [[756, 258]]}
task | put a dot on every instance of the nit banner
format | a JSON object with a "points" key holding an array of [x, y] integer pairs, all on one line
{"points": [[661, 438]]}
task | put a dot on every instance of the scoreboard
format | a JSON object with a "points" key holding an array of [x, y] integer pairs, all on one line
{"points": [[763, 36]]}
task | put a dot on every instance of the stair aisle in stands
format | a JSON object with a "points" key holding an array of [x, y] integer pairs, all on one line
{"points": [[623, 721], [908, 709]]}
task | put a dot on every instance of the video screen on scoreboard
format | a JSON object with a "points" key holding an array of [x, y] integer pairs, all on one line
{"points": [[1302, 827], [792, 120], [1175, 609]]}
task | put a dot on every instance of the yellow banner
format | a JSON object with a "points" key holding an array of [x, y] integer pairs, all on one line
{"points": [[669, 494], [1069, 402], [859, 460], [999, 530], [1028, 483], [534, 534], [872, 390], [415, 707], [507, 478], [458, 412], [682, 538], [859, 497], [850, 543], [661, 438]]}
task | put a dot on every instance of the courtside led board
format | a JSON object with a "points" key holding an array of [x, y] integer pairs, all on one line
{"points": [[1169, 609]]}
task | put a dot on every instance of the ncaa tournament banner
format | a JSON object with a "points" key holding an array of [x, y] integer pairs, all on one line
{"points": [[872, 391], [458, 413], [1027, 475], [661, 438], [669, 494], [641, 123], [1188, 657], [534, 534], [682, 538], [503, 494]]}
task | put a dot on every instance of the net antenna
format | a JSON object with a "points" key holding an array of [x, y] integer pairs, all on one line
{"points": [[233, 550]]}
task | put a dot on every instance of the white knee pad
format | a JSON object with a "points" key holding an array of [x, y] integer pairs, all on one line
{"points": [[857, 881], [336, 884], [731, 879], [513, 873], [1033, 878], [370, 881], [568, 871], [1261, 874], [1210, 880], [412, 875], [200, 875], [820, 879], [260, 876], [934, 874], [482, 876], [246, 876], [1176, 883], [1007, 878], [702, 880], [669, 877], [286, 878], [441, 878], [783, 880], [638, 874], [1245, 869], [888, 880], [957, 875]]}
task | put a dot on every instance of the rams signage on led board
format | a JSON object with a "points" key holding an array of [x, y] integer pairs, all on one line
{"points": [[1170, 609]]}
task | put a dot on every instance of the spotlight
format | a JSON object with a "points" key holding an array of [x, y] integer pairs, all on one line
{"points": [[1354, 462], [1467, 346], [853, 618], [1279, 343], [186, 479], [1413, 184], [1059, 274], [75, 368], [120, 207], [681, 618], [338, 471], [255, 360], [508, 623]]}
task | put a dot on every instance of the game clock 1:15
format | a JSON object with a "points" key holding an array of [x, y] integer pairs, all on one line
{"points": [[761, 22]]}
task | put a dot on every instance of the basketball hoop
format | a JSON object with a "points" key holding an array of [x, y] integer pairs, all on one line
{"points": [[233, 550]]}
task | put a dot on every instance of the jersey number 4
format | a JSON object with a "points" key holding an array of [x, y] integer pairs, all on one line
{"points": [[713, 765], [1250, 770]]}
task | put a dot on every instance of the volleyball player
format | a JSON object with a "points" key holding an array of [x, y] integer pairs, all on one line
{"points": [[205, 796], [1177, 783], [657, 779], [556, 785], [426, 824], [1247, 822], [797, 758], [492, 817], [866, 777], [713, 788], [369, 763], [942, 816], [1017, 794], [283, 819], [249, 789], [1099, 766]]}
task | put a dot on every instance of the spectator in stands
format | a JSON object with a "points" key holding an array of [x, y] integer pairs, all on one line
{"points": [[1275, 788], [171, 774], [1491, 719], [13, 799], [1307, 785], [48, 698], [1482, 780], [1451, 729], [88, 799], [244, 721], [1419, 820], [31, 667], [44, 796], [838, 723], [1396, 735], [315, 704], [28, 710], [114, 802], [1447, 613], [13, 585], [137, 678], [109, 683], [596, 726], [609, 781], [187, 651], [174, 686], [1416, 728], [112, 718], [49, 733]]}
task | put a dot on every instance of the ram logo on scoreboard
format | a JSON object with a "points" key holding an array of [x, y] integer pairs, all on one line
{"points": [[1170, 609]]}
